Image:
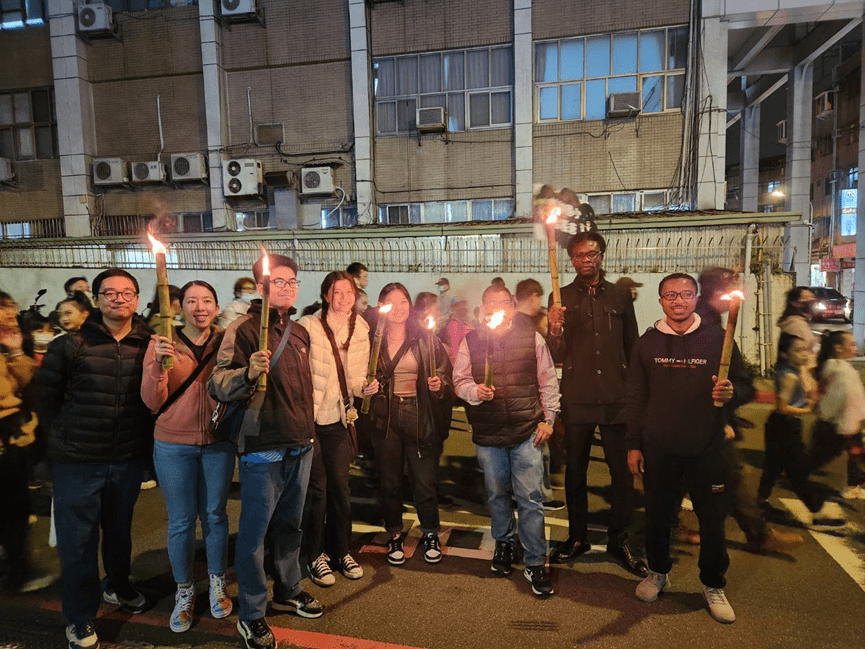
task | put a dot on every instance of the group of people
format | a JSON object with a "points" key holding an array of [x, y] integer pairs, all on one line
{"points": [[112, 395]]}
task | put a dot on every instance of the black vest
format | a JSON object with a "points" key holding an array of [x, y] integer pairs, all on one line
{"points": [[515, 412]]}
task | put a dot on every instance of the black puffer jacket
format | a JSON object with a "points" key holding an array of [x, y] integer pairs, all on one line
{"points": [[90, 395]]}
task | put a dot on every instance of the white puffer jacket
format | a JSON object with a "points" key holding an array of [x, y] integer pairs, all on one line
{"points": [[325, 380]]}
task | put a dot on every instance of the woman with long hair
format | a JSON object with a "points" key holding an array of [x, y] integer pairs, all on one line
{"points": [[338, 356], [410, 419], [194, 467]]}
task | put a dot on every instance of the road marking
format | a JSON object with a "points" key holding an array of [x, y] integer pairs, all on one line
{"points": [[841, 548]]}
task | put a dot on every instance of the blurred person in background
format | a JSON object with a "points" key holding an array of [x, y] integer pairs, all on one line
{"points": [[244, 293]]}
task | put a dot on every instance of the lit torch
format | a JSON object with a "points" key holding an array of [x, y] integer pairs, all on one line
{"points": [[264, 328], [735, 298], [495, 320], [383, 310], [553, 216], [166, 317], [430, 330]]}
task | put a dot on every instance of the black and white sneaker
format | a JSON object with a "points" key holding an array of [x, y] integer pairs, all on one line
{"points": [[539, 577], [395, 553], [302, 604], [432, 549], [257, 634], [82, 636], [130, 600], [320, 573], [503, 557]]}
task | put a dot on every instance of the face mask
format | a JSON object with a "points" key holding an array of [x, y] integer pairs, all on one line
{"points": [[41, 340], [442, 288], [246, 297]]}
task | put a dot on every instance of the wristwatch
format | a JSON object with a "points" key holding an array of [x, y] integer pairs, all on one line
{"points": [[549, 422]]}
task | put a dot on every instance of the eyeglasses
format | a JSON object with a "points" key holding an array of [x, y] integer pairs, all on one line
{"points": [[685, 295], [111, 296], [282, 283], [590, 256]]}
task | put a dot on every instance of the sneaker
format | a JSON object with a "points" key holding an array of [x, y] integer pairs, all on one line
{"points": [[133, 601], [257, 634], [34, 582], [82, 636], [302, 604], [395, 554], [539, 577], [350, 568], [853, 492], [830, 515], [432, 549], [778, 541], [220, 602], [503, 557], [687, 505], [554, 505], [184, 603], [652, 586], [719, 607], [320, 573], [148, 484]]}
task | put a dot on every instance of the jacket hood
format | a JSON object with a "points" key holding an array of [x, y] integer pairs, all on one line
{"points": [[662, 326]]}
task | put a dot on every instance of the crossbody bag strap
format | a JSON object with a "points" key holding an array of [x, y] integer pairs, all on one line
{"points": [[340, 370], [282, 343], [174, 396]]}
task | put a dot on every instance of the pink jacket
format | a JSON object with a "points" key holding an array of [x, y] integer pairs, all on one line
{"points": [[187, 420]]}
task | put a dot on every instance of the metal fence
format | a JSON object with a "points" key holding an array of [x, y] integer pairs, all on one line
{"points": [[628, 251]]}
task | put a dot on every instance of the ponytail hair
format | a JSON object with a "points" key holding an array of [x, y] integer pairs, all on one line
{"points": [[329, 280], [828, 342]]}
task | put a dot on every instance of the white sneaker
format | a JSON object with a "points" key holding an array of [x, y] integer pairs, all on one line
{"points": [[220, 602], [687, 505], [184, 603], [652, 586], [349, 568], [82, 636], [719, 607], [853, 492], [830, 515], [320, 573]]}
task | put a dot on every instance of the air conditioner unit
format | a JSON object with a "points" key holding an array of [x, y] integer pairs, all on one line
{"points": [[5, 169], [148, 172], [624, 104], [242, 177], [782, 132], [188, 166], [110, 171], [823, 104], [431, 120], [95, 17], [238, 7], [316, 180]]}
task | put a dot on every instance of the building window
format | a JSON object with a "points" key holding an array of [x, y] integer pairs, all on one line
{"points": [[254, 220], [202, 222], [853, 177], [574, 76], [143, 5], [473, 86], [339, 217], [28, 125], [497, 209], [773, 186], [617, 202], [15, 14]]}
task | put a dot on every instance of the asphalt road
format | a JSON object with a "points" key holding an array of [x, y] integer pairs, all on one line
{"points": [[812, 596]]}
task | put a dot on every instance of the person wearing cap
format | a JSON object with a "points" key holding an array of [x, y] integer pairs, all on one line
{"points": [[446, 301], [592, 335], [627, 284]]}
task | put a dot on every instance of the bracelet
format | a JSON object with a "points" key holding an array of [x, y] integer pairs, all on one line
{"points": [[14, 354]]}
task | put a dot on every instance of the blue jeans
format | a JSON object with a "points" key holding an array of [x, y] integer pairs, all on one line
{"points": [[271, 494], [522, 469], [195, 481], [87, 497]]}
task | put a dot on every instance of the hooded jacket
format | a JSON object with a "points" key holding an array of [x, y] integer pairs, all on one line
{"points": [[669, 396], [286, 416], [90, 394], [187, 420]]}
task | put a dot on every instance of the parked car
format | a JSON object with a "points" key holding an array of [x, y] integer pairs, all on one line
{"points": [[830, 305]]}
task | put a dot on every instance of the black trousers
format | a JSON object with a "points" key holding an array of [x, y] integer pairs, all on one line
{"points": [[827, 444], [743, 505], [707, 479], [578, 442], [327, 510], [786, 452], [401, 445], [14, 512]]}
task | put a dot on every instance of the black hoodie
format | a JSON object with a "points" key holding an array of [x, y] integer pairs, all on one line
{"points": [[669, 392]]}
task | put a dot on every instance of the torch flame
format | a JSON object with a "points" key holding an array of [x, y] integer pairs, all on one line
{"points": [[729, 296], [265, 263], [554, 215], [496, 319], [430, 322], [384, 309], [158, 246]]}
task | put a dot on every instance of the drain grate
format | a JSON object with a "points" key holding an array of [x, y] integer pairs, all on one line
{"points": [[533, 625]]}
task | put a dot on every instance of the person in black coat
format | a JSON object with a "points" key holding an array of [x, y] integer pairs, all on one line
{"points": [[99, 433]]}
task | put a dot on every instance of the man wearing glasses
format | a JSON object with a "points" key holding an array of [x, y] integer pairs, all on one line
{"points": [[274, 446], [675, 431], [592, 335], [99, 433]]}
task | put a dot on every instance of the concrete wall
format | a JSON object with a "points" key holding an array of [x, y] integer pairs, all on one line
{"points": [[551, 19]]}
